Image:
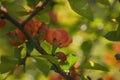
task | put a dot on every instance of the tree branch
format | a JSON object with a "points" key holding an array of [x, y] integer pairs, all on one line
{"points": [[17, 24], [61, 72], [36, 45], [39, 8]]}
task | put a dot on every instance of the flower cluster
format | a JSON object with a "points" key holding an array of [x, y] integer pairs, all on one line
{"points": [[33, 28]]}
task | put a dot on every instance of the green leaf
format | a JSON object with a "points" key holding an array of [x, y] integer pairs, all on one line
{"points": [[118, 19], [112, 36], [86, 46], [15, 9], [8, 27], [17, 52], [5, 48], [47, 47], [50, 58], [65, 66], [71, 60], [94, 66], [118, 31], [43, 15], [7, 1], [33, 3], [7, 64], [117, 56], [83, 77], [106, 2], [43, 65], [82, 8]]}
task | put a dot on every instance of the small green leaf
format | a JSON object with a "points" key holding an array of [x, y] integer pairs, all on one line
{"points": [[8, 27], [86, 46], [8, 59], [117, 56], [94, 66], [50, 58], [43, 65], [118, 31], [5, 48], [15, 9], [112, 36], [43, 15], [82, 8], [83, 77], [106, 2], [65, 66], [118, 19], [17, 52], [71, 60], [7, 64], [33, 3], [47, 47], [6, 67]]}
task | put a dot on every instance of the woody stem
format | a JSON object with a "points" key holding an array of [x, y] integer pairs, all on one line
{"points": [[36, 45]]}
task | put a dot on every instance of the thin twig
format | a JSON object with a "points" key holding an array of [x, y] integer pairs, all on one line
{"points": [[61, 72], [36, 11]]}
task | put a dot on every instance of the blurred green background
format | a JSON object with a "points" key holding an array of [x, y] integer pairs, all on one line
{"points": [[81, 29]]}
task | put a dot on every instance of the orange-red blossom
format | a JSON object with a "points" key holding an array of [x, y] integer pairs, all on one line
{"points": [[32, 28], [58, 35]]}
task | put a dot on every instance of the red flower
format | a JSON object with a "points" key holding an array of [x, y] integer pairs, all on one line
{"points": [[32, 27], [58, 35]]}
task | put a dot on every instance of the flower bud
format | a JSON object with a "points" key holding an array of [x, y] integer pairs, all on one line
{"points": [[15, 38], [61, 56]]}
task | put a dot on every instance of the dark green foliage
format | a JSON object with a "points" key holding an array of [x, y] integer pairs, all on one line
{"points": [[82, 8], [112, 36], [105, 2], [117, 56], [42, 65], [32, 3], [94, 66], [86, 46], [7, 64]]}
